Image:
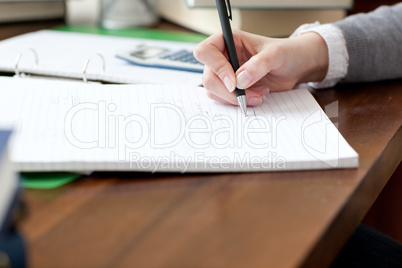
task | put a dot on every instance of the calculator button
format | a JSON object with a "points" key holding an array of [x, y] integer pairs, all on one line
{"points": [[181, 56]]}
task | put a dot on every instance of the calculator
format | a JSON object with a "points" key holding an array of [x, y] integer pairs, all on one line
{"points": [[161, 57]]}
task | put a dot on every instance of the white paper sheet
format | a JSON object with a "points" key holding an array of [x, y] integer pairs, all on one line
{"points": [[76, 126]]}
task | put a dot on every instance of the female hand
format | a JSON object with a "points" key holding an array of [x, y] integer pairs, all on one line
{"points": [[266, 64]]}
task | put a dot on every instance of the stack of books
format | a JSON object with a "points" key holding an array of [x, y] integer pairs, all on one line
{"points": [[268, 18]]}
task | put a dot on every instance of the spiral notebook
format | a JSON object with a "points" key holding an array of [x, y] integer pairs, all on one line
{"points": [[87, 57], [75, 126]]}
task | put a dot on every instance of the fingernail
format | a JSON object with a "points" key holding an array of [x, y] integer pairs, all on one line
{"points": [[243, 80], [228, 84], [263, 89], [255, 101]]}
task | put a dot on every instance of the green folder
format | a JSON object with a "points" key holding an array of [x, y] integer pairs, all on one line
{"points": [[49, 180], [46, 180], [136, 33]]}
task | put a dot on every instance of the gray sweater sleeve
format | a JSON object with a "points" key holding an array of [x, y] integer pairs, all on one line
{"points": [[374, 44]]}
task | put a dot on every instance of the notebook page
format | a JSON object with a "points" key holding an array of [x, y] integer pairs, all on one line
{"points": [[74, 126], [64, 54]]}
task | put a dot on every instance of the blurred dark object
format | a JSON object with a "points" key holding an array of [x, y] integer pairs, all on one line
{"points": [[385, 214], [369, 5], [12, 251]]}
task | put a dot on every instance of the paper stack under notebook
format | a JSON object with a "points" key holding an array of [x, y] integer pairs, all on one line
{"points": [[268, 18]]}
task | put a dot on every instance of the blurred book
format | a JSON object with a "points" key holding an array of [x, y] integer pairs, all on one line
{"points": [[278, 4], [266, 22], [28, 10], [12, 250], [8, 181]]}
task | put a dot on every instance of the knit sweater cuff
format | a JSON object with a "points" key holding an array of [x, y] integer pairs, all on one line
{"points": [[337, 52]]}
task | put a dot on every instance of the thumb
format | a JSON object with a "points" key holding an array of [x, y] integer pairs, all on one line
{"points": [[253, 70]]}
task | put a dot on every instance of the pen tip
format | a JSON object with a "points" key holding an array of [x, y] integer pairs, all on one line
{"points": [[242, 103]]}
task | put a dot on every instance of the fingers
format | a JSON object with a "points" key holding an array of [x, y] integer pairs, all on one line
{"points": [[257, 67], [219, 78], [262, 60], [211, 53], [216, 90]]}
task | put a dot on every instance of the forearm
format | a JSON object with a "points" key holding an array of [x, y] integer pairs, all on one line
{"points": [[314, 56], [337, 54], [374, 44]]}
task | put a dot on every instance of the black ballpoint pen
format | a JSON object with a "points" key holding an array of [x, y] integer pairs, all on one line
{"points": [[225, 14]]}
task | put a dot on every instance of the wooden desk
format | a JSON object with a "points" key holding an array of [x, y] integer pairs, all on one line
{"points": [[275, 219]]}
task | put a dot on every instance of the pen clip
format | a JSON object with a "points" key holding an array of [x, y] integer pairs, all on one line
{"points": [[229, 9]]}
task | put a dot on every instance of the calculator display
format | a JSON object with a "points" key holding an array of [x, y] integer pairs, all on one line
{"points": [[161, 57]]}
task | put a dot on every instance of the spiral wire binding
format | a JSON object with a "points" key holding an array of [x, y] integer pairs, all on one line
{"points": [[84, 72], [18, 59]]}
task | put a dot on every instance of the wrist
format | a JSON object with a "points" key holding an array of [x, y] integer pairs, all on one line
{"points": [[315, 57]]}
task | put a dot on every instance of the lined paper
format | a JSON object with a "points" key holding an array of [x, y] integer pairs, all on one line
{"points": [[64, 54], [85, 127]]}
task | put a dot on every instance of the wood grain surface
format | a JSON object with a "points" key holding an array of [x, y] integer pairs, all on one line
{"points": [[272, 219]]}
